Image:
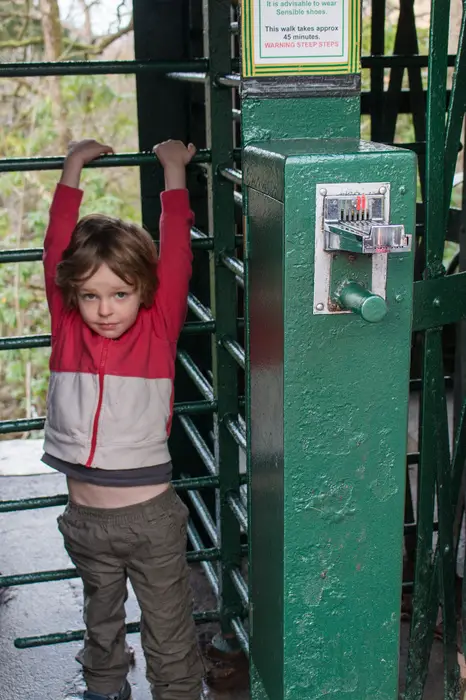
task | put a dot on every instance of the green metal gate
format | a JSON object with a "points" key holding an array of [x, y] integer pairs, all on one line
{"points": [[208, 429], [199, 80]]}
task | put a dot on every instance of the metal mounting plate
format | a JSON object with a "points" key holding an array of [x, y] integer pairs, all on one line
{"points": [[323, 259]]}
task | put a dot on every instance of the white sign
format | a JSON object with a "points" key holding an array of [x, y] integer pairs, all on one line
{"points": [[300, 33]]}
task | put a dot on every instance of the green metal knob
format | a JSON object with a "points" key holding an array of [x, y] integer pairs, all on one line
{"points": [[370, 307]]}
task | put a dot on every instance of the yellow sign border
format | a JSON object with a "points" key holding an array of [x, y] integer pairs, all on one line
{"points": [[251, 70]]}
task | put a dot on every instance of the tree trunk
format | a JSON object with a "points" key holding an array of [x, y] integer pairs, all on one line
{"points": [[53, 46]]}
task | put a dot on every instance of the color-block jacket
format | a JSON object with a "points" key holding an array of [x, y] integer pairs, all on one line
{"points": [[110, 402]]}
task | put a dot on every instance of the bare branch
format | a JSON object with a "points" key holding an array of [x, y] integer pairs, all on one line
{"points": [[106, 41], [92, 49]]}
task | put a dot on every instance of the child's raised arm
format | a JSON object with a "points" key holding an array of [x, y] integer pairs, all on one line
{"points": [[64, 213], [175, 262]]}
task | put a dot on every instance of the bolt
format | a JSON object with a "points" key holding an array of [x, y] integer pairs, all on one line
{"points": [[398, 298], [402, 189], [382, 190], [436, 302], [323, 191], [320, 306]]}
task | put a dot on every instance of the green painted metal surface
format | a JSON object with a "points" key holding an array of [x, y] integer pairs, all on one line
{"points": [[316, 117], [223, 295], [328, 417]]}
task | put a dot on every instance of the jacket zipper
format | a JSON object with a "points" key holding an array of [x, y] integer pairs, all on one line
{"points": [[95, 427]]}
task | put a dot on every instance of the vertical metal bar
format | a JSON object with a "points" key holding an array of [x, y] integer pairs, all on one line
{"points": [[434, 466], [217, 46], [456, 112], [436, 130], [377, 71]]}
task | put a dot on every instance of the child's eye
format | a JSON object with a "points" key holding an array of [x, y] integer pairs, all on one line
{"points": [[88, 297], [121, 295]]}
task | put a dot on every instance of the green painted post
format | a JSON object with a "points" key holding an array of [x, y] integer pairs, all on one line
{"points": [[328, 320]]}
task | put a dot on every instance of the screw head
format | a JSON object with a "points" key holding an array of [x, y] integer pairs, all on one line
{"points": [[402, 189], [382, 190], [323, 191], [320, 306]]}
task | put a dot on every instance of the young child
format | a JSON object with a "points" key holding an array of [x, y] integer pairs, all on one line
{"points": [[117, 311]]}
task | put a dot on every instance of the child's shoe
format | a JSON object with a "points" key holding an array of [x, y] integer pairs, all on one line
{"points": [[124, 694]]}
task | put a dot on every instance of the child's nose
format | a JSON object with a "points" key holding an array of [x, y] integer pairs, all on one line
{"points": [[104, 308]]}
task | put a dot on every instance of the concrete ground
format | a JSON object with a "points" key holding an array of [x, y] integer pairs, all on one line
{"points": [[30, 541]]}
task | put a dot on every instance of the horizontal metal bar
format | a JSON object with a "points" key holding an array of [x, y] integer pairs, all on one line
{"points": [[197, 233], [199, 618], [187, 77], [411, 528], [439, 301], [198, 309], [21, 255], [198, 442], [416, 384], [197, 482], [206, 243], [400, 61], [195, 374], [238, 510], [240, 585], [235, 350], [241, 634], [37, 577], [232, 174], [33, 503], [24, 425], [198, 328], [32, 70], [12, 165], [234, 264], [23, 342], [235, 430], [207, 566], [204, 515], [198, 242], [232, 80], [212, 554], [402, 99]]}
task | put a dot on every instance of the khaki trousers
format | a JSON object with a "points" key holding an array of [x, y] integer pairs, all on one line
{"points": [[147, 544]]}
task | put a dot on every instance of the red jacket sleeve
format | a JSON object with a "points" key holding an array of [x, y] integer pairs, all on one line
{"points": [[175, 263], [64, 214]]}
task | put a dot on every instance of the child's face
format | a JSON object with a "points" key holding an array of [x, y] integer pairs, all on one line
{"points": [[108, 305]]}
